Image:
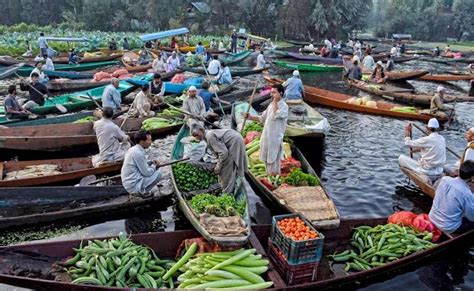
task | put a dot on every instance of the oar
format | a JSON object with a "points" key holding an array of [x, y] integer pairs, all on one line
{"points": [[215, 93], [59, 107], [250, 106], [192, 115], [86, 182], [93, 100], [447, 148]]}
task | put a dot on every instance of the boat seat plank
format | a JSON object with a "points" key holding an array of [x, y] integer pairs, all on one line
{"points": [[1, 171]]}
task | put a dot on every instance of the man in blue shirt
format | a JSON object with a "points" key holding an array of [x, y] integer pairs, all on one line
{"points": [[43, 44], [454, 201], [111, 96], [200, 50], [294, 89]]}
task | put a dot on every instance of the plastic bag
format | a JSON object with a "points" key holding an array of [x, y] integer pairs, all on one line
{"points": [[194, 150], [404, 218], [422, 223]]}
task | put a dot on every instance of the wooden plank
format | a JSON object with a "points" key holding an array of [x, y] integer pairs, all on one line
{"points": [[1, 171]]}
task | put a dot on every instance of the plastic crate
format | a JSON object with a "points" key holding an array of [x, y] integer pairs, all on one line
{"points": [[297, 252], [292, 274]]}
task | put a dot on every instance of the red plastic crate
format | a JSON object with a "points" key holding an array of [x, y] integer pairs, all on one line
{"points": [[292, 274]]}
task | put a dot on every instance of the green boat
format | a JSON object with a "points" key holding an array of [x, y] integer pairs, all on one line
{"points": [[309, 67], [239, 193], [26, 71], [77, 101], [235, 58]]}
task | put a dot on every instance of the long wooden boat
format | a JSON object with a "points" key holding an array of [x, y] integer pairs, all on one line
{"points": [[41, 120], [441, 60], [69, 136], [242, 95], [74, 85], [319, 59], [235, 71], [72, 170], [298, 42], [26, 206], [305, 67], [83, 60], [130, 59], [10, 61], [235, 58], [339, 101], [447, 77], [401, 76], [239, 193], [69, 75], [26, 71], [9, 71], [418, 180], [45, 254], [328, 223]]}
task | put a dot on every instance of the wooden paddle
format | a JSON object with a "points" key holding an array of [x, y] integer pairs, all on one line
{"points": [[88, 179], [426, 133], [250, 106], [59, 107], [93, 100]]}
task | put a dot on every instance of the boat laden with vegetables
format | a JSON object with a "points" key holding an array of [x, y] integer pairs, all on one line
{"points": [[79, 134], [25, 206], [298, 189], [39, 261], [342, 101], [195, 187], [26, 71]]}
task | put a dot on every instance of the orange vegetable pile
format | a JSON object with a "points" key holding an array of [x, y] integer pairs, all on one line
{"points": [[296, 229]]}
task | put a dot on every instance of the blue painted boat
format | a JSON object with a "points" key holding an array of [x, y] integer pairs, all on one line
{"points": [[172, 88], [68, 75], [164, 34]]}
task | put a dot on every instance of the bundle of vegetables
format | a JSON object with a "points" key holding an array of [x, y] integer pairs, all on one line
{"points": [[170, 112], [296, 229], [298, 178], [156, 122], [288, 164], [252, 126], [86, 119], [190, 178], [252, 147], [193, 60], [251, 136], [404, 109], [240, 269], [117, 262], [221, 206], [378, 245]]}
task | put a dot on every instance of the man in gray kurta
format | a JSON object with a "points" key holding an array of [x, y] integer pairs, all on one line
{"points": [[112, 141], [194, 105], [138, 175], [274, 120], [229, 147]]}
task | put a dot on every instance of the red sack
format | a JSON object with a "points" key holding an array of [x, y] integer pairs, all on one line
{"points": [[289, 164], [404, 218], [99, 76], [251, 135], [422, 223], [119, 72], [178, 79], [267, 183]]}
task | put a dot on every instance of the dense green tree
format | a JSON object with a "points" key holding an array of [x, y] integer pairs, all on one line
{"points": [[463, 20]]}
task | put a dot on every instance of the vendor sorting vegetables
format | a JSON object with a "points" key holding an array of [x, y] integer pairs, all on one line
{"points": [[274, 120], [194, 105], [229, 147]]}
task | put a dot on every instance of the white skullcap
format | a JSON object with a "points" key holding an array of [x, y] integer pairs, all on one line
{"points": [[380, 63], [296, 73], [192, 88], [433, 123], [471, 130], [440, 89]]}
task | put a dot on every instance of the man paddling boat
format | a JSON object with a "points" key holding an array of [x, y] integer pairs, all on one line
{"points": [[453, 205], [37, 92], [378, 75], [294, 89], [13, 110], [432, 149], [112, 141], [139, 176], [468, 154], [274, 120], [229, 147], [437, 106], [111, 96]]}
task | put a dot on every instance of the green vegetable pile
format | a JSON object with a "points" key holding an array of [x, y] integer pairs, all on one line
{"points": [[221, 206], [240, 269], [156, 122], [252, 126], [405, 109], [378, 245], [86, 119], [118, 262], [298, 178], [170, 112], [190, 178]]}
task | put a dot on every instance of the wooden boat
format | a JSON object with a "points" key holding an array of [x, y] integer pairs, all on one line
{"points": [[72, 170], [26, 71], [101, 57], [339, 101], [401, 76], [447, 77], [305, 67], [275, 200], [298, 42], [441, 60], [26, 206], [10, 61], [39, 120], [235, 71], [9, 71], [319, 59], [418, 180], [279, 53], [68, 75], [69, 136], [235, 58], [74, 85], [239, 193], [44, 254], [130, 60]]}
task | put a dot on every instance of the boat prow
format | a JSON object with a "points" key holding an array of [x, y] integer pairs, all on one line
{"points": [[425, 186]]}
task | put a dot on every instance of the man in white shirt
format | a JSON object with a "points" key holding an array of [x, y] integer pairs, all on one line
{"points": [[49, 64], [214, 66], [467, 155], [394, 51], [261, 61], [328, 44], [369, 62], [432, 149], [453, 205]]}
